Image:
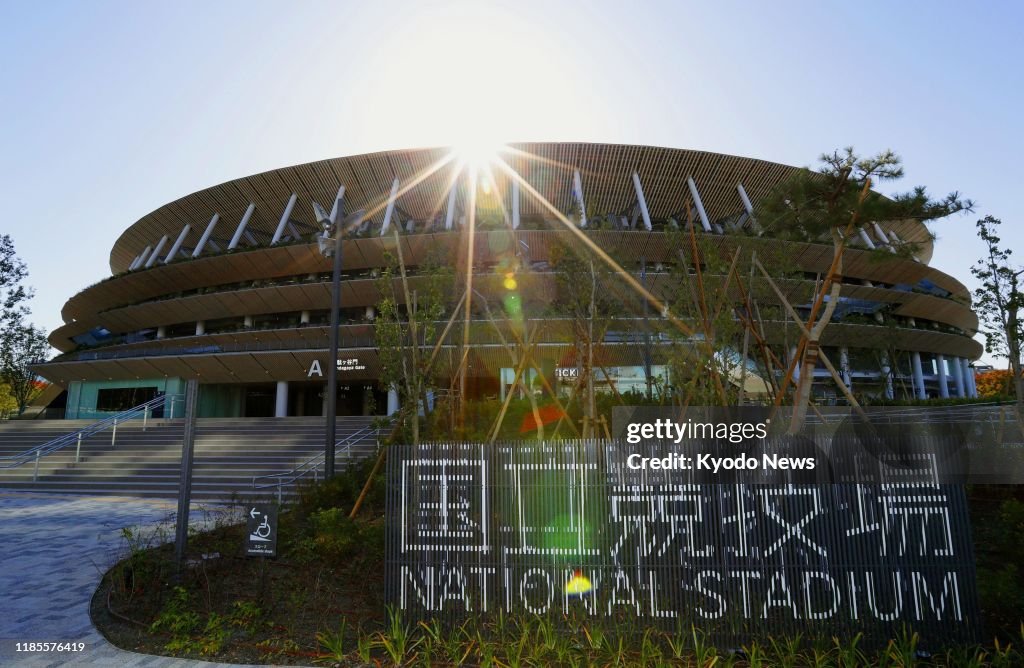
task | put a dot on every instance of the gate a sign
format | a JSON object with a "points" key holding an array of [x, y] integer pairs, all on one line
{"points": [[261, 530], [568, 528]]}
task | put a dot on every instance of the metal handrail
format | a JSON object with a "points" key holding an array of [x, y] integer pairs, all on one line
{"points": [[35, 453], [932, 414], [312, 464]]}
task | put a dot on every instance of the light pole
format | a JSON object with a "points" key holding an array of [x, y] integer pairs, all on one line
{"points": [[328, 249]]}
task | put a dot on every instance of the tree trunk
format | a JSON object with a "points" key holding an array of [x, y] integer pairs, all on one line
{"points": [[591, 404], [1013, 346], [810, 358]]}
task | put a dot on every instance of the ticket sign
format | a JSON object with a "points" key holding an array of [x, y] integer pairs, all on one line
{"points": [[570, 528], [261, 530], [567, 373]]}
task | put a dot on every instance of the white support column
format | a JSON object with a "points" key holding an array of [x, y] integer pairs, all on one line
{"points": [[844, 367], [940, 363], [449, 212], [336, 207], [968, 378], [370, 313], [393, 405], [304, 318], [641, 200], [206, 235], [281, 399], [247, 322], [881, 236], [915, 361], [577, 190], [515, 203], [390, 210], [865, 238], [156, 252], [143, 257], [200, 327], [279, 232], [887, 376], [958, 377], [134, 262], [973, 383], [749, 208], [746, 200], [240, 230], [161, 332], [176, 246], [705, 223]]}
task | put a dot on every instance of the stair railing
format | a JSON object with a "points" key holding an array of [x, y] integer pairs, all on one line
{"points": [[36, 453], [311, 466]]}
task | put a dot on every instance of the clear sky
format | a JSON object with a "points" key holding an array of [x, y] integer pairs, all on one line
{"points": [[112, 109]]}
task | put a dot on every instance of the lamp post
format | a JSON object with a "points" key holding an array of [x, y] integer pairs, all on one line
{"points": [[329, 249]]}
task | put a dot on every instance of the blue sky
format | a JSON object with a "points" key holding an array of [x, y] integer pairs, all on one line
{"points": [[113, 109]]}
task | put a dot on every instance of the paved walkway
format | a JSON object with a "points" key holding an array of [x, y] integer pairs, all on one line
{"points": [[53, 551]]}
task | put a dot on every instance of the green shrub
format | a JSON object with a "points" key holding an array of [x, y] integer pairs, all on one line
{"points": [[342, 490], [336, 538], [245, 615], [177, 620]]}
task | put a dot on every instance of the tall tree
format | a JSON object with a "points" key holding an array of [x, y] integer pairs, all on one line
{"points": [[21, 346], [998, 301], [586, 293], [829, 205], [8, 406], [406, 329], [13, 294], [704, 364]]}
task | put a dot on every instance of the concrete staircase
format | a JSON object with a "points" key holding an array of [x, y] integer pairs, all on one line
{"points": [[229, 453]]}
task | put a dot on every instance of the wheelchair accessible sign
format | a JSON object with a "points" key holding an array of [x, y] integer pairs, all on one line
{"points": [[261, 530]]}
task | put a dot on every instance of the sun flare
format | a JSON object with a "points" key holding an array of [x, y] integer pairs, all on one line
{"points": [[478, 150]]}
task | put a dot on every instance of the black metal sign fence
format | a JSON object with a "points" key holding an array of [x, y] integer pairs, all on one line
{"points": [[554, 528]]}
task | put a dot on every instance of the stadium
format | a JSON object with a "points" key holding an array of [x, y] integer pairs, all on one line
{"points": [[230, 285]]}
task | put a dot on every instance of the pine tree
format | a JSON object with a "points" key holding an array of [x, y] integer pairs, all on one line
{"points": [[998, 301], [829, 205]]}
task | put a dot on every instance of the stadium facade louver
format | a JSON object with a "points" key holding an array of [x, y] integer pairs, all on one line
{"points": [[228, 284]]}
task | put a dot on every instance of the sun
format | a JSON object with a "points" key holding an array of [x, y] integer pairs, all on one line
{"points": [[477, 147]]}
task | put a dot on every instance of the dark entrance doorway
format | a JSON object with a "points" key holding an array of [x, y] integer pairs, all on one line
{"points": [[259, 401], [353, 399], [360, 399]]}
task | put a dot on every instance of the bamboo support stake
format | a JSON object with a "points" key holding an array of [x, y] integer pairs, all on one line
{"points": [[821, 354]]}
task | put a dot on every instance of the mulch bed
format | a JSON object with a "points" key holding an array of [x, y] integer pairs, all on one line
{"points": [[269, 610]]}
